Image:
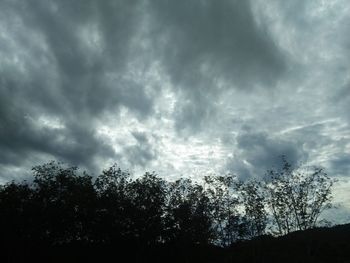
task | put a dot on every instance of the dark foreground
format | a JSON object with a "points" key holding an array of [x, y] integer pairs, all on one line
{"points": [[317, 245]]}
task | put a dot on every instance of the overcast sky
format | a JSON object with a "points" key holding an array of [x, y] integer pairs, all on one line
{"points": [[178, 87]]}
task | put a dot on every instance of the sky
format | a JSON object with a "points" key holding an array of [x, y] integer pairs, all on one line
{"points": [[183, 88]]}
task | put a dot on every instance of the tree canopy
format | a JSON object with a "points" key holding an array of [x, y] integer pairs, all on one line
{"points": [[62, 205]]}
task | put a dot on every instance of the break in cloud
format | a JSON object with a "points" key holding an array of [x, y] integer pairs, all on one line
{"points": [[179, 87]]}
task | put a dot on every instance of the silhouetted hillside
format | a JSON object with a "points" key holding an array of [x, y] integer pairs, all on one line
{"points": [[316, 245]]}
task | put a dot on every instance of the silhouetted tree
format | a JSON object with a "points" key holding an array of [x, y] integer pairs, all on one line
{"points": [[64, 208], [16, 212], [224, 208], [188, 219], [65, 203], [297, 197], [148, 195], [254, 200], [113, 212]]}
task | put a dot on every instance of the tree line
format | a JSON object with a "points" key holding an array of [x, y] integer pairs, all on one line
{"points": [[63, 206]]}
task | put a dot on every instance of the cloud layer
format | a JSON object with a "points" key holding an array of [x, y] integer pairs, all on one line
{"points": [[179, 87]]}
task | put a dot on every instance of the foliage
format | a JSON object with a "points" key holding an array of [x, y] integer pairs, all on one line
{"points": [[254, 202], [298, 196], [64, 206]]}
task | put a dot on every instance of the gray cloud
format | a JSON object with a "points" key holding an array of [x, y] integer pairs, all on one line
{"points": [[71, 62], [340, 165], [257, 152], [67, 62], [142, 152], [218, 39], [206, 47]]}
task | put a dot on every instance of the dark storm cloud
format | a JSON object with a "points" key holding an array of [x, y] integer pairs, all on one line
{"points": [[257, 152], [49, 69], [70, 62], [21, 137], [208, 46], [340, 164], [142, 152]]}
